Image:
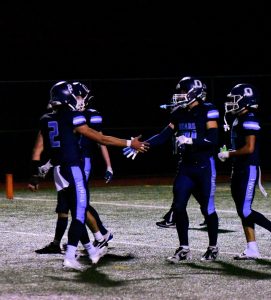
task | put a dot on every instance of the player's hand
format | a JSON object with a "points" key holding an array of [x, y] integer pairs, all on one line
{"points": [[139, 146], [44, 169], [108, 175], [33, 184], [223, 154], [130, 152], [180, 140]]}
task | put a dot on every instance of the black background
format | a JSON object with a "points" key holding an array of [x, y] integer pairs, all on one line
{"points": [[131, 54]]}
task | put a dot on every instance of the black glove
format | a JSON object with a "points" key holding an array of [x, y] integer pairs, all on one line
{"points": [[108, 175], [34, 179]]}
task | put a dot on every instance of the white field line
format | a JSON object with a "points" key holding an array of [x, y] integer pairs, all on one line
{"points": [[127, 205], [124, 243], [121, 205]]}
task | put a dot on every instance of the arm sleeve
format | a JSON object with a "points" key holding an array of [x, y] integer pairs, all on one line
{"points": [[209, 141], [161, 137]]}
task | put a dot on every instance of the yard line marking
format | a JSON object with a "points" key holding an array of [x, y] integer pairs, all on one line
{"points": [[125, 243], [131, 205]]}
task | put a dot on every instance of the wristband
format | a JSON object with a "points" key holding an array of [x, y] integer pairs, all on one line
{"points": [[34, 167], [128, 143], [109, 169]]}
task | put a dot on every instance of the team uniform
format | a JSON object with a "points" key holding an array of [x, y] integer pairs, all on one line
{"points": [[63, 194], [196, 173], [243, 104], [62, 132], [64, 151], [61, 144], [245, 168], [94, 120]]}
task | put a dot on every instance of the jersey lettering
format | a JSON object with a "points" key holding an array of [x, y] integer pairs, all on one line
{"points": [[188, 130], [53, 134]]}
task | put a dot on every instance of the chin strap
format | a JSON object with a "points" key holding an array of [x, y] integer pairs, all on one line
{"points": [[263, 191], [226, 125]]}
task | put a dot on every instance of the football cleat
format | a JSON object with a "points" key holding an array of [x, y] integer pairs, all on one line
{"points": [[180, 254], [247, 256], [108, 236], [50, 249], [99, 250], [211, 253], [166, 224], [73, 264]]}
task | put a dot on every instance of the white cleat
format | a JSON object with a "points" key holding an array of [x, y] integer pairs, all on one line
{"points": [[245, 256], [97, 254], [73, 264]]}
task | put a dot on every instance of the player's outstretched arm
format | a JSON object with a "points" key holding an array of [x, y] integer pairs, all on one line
{"points": [[111, 140]]}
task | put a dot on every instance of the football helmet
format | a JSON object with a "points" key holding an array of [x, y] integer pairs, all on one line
{"points": [[188, 90], [83, 91], [241, 96], [62, 94]]}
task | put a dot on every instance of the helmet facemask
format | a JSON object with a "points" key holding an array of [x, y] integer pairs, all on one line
{"points": [[80, 104], [83, 95], [233, 105], [184, 99]]}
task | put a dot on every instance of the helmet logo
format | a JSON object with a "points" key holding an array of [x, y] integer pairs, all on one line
{"points": [[197, 83], [248, 92], [70, 88]]}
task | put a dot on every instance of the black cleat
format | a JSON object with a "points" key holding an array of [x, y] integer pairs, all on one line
{"points": [[166, 224], [50, 249], [180, 254], [211, 253]]}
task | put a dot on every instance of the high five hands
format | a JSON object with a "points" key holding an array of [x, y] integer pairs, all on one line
{"points": [[135, 148]]}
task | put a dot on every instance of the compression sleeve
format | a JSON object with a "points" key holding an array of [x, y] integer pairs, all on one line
{"points": [[210, 140], [161, 137]]}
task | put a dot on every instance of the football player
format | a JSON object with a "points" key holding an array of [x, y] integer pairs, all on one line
{"points": [[243, 103], [194, 122], [94, 120], [59, 132]]}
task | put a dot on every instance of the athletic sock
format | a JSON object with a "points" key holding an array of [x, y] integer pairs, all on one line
{"points": [[98, 236], [70, 252]]}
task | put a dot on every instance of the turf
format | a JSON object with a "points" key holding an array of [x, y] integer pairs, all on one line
{"points": [[135, 266]]}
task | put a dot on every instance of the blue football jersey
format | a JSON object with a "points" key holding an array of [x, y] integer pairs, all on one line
{"points": [[60, 141], [94, 121], [243, 126], [192, 124]]}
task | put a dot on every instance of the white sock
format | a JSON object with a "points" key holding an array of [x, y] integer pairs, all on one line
{"points": [[90, 248], [252, 247], [98, 236], [185, 247], [70, 252]]}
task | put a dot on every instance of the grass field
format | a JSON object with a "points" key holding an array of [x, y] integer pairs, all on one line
{"points": [[135, 266]]}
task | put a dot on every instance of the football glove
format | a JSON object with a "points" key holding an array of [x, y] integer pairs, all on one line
{"points": [[180, 140], [33, 183], [108, 175], [223, 154], [44, 169], [130, 152], [34, 180]]}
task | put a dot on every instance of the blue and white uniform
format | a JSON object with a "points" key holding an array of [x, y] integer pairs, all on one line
{"points": [[246, 170], [62, 145], [196, 172]]}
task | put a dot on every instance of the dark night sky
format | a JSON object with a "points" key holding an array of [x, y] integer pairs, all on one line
{"points": [[135, 39]]}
